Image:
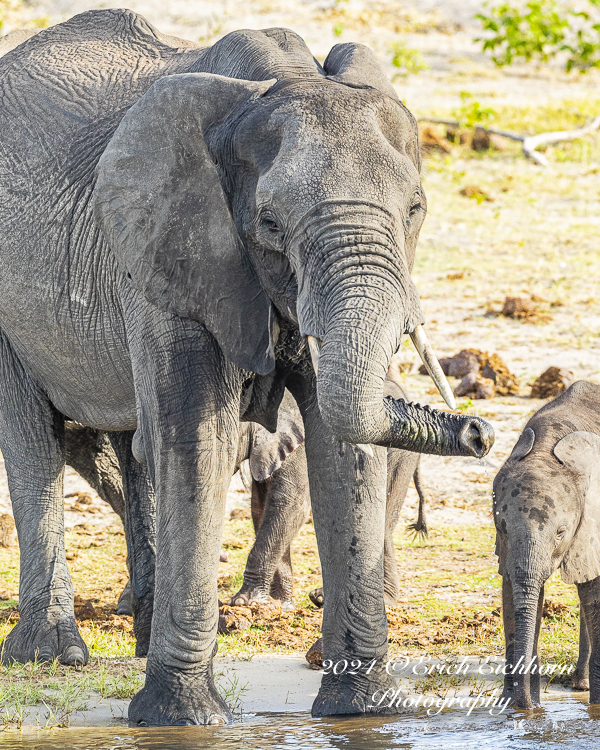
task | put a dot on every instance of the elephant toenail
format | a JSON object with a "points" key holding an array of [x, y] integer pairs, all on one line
{"points": [[73, 656], [216, 720]]}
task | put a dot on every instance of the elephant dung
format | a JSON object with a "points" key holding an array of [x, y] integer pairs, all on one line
{"points": [[84, 609], [487, 366], [475, 386], [430, 140], [518, 307], [494, 368], [553, 381], [240, 513], [8, 533], [314, 655]]}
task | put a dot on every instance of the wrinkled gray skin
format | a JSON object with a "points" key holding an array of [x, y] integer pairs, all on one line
{"points": [[91, 454], [547, 514], [281, 505], [173, 222]]}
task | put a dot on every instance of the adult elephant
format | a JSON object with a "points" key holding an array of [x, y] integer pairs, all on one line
{"points": [[174, 222]]}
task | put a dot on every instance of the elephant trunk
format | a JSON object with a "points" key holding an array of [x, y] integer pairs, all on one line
{"points": [[527, 571], [366, 307], [526, 626]]}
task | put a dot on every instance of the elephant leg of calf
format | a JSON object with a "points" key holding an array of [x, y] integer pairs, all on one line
{"points": [[508, 618], [189, 420], [589, 597], [32, 442], [280, 506], [347, 490], [581, 676], [140, 532]]}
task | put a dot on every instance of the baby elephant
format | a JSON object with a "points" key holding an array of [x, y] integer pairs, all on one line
{"points": [[547, 514], [281, 504]]}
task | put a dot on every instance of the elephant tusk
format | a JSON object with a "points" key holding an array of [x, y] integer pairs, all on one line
{"points": [[423, 346], [314, 346]]}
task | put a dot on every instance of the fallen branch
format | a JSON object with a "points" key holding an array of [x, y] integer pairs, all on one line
{"points": [[530, 142]]}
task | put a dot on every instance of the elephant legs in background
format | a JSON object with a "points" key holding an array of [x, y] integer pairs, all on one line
{"points": [[34, 454], [280, 506], [106, 462], [140, 533]]}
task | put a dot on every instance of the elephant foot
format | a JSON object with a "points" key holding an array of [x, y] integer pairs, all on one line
{"points": [[245, 597], [45, 639], [175, 698], [124, 605], [580, 682], [376, 693], [316, 596]]}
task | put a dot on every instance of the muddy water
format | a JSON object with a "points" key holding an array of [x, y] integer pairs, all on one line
{"points": [[562, 723]]}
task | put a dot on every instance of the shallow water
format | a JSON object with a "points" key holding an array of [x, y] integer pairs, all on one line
{"points": [[562, 723]]}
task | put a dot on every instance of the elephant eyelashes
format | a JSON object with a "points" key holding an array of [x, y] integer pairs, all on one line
{"points": [[272, 232], [560, 533], [271, 226]]}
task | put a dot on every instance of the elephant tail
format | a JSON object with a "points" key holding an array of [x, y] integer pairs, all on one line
{"points": [[419, 527]]}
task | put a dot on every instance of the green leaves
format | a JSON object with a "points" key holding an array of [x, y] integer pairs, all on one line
{"points": [[540, 30], [407, 60], [472, 112]]}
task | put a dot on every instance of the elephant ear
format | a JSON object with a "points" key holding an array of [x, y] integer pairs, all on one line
{"points": [[524, 445], [580, 452], [159, 202], [269, 451]]}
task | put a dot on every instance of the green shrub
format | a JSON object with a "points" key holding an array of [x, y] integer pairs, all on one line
{"points": [[472, 112], [407, 60], [541, 29]]}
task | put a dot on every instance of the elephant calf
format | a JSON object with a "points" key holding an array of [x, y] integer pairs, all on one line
{"points": [[281, 504], [547, 514]]}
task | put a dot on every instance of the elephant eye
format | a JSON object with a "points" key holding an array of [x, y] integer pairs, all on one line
{"points": [[271, 225], [416, 207], [560, 533]]}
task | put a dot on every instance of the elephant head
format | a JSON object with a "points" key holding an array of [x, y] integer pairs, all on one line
{"points": [[284, 190], [547, 514]]}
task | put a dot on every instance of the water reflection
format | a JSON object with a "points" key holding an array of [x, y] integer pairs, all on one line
{"points": [[562, 723]]}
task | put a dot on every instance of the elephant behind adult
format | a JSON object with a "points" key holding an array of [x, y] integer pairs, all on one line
{"points": [[281, 504], [547, 515], [174, 222]]}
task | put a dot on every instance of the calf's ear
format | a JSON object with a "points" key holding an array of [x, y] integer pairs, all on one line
{"points": [[524, 445], [580, 452], [270, 450], [159, 202]]}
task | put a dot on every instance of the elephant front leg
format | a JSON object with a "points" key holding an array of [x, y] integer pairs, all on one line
{"points": [[189, 410], [348, 494]]}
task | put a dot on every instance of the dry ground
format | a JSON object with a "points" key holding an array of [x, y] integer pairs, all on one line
{"points": [[538, 235]]}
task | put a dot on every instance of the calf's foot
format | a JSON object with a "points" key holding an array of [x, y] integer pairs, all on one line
{"points": [[45, 638]]}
